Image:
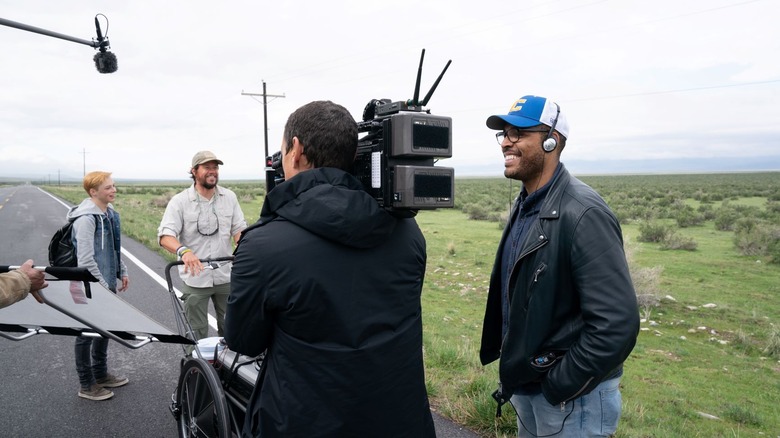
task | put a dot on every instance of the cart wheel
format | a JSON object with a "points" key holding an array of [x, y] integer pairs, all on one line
{"points": [[202, 403]]}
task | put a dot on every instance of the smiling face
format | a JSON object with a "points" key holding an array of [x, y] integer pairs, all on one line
{"points": [[523, 159], [104, 194], [206, 175]]}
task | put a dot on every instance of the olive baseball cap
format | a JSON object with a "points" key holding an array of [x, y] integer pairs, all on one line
{"points": [[204, 157]]}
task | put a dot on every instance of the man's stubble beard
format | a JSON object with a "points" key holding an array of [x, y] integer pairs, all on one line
{"points": [[206, 185], [531, 167]]}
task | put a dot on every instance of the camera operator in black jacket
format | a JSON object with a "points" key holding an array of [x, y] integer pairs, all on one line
{"points": [[561, 312], [329, 283]]}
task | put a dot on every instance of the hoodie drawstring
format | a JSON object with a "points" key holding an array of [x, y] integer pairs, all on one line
{"points": [[102, 233]]}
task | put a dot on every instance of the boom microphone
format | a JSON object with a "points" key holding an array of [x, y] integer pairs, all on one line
{"points": [[105, 62]]}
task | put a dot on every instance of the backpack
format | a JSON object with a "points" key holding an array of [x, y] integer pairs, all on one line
{"points": [[62, 252]]}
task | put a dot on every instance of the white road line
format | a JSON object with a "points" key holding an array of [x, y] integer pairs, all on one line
{"points": [[153, 275]]}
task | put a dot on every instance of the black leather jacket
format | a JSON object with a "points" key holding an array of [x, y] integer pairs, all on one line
{"points": [[571, 296]]}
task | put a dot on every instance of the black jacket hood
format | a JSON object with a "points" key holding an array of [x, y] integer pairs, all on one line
{"points": [[327, 193]]}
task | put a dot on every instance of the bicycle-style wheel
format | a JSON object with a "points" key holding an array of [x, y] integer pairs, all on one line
{"points": [[201, 400]]}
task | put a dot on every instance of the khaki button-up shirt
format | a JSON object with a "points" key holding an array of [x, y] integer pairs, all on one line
{"points": [[205, 226]]}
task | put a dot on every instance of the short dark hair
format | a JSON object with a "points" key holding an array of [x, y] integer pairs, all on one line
{"points": [[192, 172], [327, 131]]}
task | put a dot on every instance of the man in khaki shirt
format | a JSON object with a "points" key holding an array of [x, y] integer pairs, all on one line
{"points": [[203, 222]]}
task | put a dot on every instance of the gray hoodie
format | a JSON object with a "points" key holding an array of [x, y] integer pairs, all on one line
{"points": [[97, 241]]}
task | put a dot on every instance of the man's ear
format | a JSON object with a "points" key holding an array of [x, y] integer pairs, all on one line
{"points": [[299, 159], [296, 150]]}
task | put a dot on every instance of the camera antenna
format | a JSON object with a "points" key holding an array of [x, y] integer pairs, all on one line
{"points": [[416, 98], [384, 107], [435, 84]]}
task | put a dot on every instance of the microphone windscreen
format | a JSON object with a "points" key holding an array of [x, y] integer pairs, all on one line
{"points": [[105, 62]]}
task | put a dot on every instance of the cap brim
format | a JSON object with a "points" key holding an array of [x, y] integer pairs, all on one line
{"points": [[498, 122], [208, 161]]}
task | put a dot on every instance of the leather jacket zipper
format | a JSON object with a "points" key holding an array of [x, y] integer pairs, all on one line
{"points": [[540, 244], [539, 270]]}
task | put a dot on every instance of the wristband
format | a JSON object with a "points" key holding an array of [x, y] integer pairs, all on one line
{"points": [[182, 250]]}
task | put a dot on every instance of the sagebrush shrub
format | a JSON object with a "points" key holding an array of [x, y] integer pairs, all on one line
{"points": [[674, 240], [756, 237], [652, 232]]}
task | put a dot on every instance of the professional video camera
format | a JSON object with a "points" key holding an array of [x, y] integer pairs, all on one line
{"points": [[396, 156]]}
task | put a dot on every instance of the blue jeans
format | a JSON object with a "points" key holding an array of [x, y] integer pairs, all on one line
{"points": [[91, 360], [595, 414]]}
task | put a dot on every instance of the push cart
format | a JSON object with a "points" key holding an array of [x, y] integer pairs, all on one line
{"points": [[215, 383]]}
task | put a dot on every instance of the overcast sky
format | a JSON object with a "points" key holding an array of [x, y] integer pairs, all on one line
{"points": [[638, 80]]}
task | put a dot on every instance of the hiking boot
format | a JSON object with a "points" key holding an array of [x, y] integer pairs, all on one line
{"points": [[95, 392], [112, 381]]}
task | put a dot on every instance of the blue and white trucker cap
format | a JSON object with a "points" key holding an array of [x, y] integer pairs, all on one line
{"points": [[530, 111]]}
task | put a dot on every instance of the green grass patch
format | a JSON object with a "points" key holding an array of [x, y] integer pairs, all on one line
{"points": [[707, 361]]}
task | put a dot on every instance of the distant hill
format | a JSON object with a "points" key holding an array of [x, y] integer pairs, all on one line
{"points": [[676, 165], [577, 167]]}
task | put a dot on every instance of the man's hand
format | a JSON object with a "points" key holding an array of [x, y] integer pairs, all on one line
{"points": [[37, 280], [192, 264]]}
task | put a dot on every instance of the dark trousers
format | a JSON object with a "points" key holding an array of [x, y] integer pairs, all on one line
{"points": [[91, 360]]}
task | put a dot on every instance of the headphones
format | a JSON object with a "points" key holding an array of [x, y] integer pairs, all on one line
{"points": [[550, 143]]}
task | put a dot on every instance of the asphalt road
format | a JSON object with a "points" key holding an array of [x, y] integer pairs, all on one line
{"points": [[38, 374]]}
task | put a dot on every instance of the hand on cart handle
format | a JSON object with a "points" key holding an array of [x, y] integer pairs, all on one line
{"points": [[60, 273], [192, 264], [214, 263]]}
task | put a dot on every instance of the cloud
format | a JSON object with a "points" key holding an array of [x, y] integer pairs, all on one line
{"points": [[652, 80]]}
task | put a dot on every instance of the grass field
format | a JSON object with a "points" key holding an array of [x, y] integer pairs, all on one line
{"points": [[707, 361]]}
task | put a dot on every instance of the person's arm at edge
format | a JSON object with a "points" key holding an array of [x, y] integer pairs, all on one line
{"points": [[15, 285]]}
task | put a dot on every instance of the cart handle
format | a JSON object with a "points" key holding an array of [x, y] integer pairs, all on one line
{"points": [[209, 264], [182, 323], [61, 273]]}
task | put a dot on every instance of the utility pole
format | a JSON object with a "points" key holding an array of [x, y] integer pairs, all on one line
{"points": [[84, 161], [265, 112]]}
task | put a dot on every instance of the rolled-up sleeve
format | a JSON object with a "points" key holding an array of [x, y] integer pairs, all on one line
{"points": [[172, 223]]}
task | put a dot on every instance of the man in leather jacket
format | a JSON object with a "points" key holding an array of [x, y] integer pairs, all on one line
{"points": [[561, 311]]}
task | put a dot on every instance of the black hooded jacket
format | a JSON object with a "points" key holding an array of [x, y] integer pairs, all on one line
{"points": [[330, 283]]}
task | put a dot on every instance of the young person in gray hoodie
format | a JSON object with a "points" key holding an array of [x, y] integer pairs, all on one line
{"points": [[96, 233]]}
